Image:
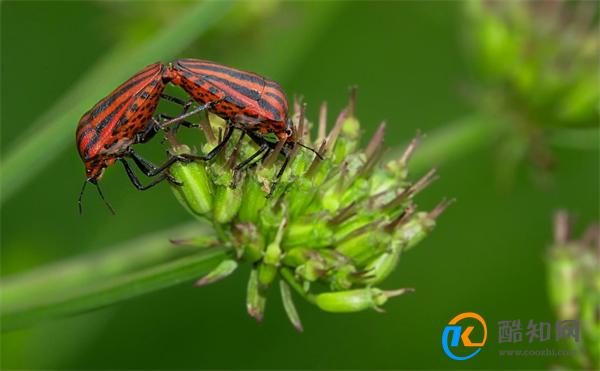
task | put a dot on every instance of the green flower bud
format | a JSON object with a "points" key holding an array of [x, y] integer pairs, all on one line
{"points": [[363, 247], [419, 226], [355, 300], [344, 277], [249, 244], [253, 200], [365, 240], [297, 256], [290, 308], [382, 266], [223, 270], [266, 274], [574, 285], [227, 204], [267, 271], [303, 194], [195, 193], [255, 298], [542, 63], [305, 233], [351, 129], [312, 270], [415, 230]]}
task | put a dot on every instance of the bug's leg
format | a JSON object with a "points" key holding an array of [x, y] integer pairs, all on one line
{"points": [[261, 159], [188, 114], [260, 141], [286, 161], [135, 181], [163, 117], [247, 165], [149, 132], [243, 164], [155, 125], [247, 162], [150, 170], [215, 151], [186, 104]]}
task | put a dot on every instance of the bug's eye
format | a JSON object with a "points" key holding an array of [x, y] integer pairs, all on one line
{"points": [[289, 132]]}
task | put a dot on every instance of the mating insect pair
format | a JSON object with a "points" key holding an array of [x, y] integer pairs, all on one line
{"points": [[246, 101]]}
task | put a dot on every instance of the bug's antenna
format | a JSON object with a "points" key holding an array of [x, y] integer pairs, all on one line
{"points": [[103, 199], [85, 182], [311, 149]]}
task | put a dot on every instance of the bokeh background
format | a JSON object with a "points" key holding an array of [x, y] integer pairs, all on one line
{"points": [[414, 68]]}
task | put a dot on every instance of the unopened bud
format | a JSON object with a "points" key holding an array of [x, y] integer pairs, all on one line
{"points": [[227, 204], [223, 270], [253, 201], [249, 242], [382, 266], [255, 298], [288, 305], [355, 300], [195, 193], [314, 233]]}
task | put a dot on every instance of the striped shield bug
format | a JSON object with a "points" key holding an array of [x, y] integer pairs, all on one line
{"points": [[105, 134], [246, 101]]}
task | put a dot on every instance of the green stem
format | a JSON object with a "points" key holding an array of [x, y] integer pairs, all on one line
{"points": [[95, 280], [456, 140]]}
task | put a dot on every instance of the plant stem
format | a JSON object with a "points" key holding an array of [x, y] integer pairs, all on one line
{"points": [[455, 140], [95, 280]]}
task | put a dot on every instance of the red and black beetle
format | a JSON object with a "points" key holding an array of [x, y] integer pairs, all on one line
{"points": [[249, 102], [106, 132]]}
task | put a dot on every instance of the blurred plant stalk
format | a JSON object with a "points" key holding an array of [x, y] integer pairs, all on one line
{"points": [[573, 267], [108, 276]]}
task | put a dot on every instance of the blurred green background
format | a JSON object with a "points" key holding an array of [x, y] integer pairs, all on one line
{"points": [[410, 62]]}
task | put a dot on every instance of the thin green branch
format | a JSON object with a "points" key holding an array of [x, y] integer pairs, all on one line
{"points": [[54, 130], [456, 140], [95, 280]]}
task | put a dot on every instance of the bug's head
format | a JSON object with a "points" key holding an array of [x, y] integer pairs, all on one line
{"points": [[290, 131], [171, 74], [293, 139], [94, 169]]}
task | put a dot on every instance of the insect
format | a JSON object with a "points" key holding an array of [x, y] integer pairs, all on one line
{"points": [[246, 101], [105, 134]]}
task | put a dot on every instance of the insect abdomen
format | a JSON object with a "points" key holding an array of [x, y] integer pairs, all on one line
{"points": [[242, 93], [122, 113]]}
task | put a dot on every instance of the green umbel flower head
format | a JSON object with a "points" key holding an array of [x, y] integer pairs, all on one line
{"points": [[540, 57], [574, 285], [331, 228]]}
